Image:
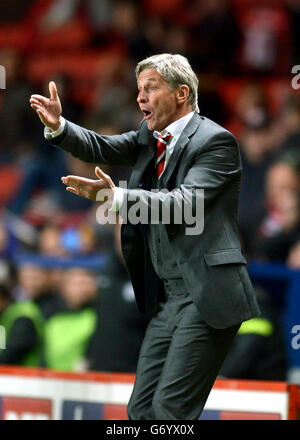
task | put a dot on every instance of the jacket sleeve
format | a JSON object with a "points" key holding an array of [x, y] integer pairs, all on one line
{"points": [[89, 146], [214, 166], [23, 338]]}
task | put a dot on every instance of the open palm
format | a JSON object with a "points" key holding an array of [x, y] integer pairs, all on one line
{"points": [[48, 109], [88, 188]]}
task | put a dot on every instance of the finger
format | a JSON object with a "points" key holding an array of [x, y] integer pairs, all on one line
{"points": [[37, 107], [74, 180], [102, 176], [53, 90], [42, 116], [39, 98], [35, 101], [77, 191], [73, 190], [99, 173]]}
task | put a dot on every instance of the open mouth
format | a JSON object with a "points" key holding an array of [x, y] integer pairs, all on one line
{"points": [[147, 114]]}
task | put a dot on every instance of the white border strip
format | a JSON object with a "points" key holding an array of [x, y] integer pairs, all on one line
{"points": [[118, 393], [250, 401]]}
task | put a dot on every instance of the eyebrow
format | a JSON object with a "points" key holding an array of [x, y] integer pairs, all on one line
{"points": [[149, 80]]}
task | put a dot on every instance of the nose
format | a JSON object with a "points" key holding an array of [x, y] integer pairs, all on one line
{"points": [[141, 97]]}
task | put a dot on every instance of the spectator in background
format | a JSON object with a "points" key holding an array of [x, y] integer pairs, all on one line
{"points": [[73, 240], [209, 99], [98, 13], [19, 131], [40, 192], [257, 156], [15, 10], [40, 196], [116, 342], [129, 27], [34, 284], [294, 12], [7, 248], [290, 127], [279, 227], [5, 298], [24, 320], [115, 100], [50, 242], [67, 333], [252, 107], [23, 325], [147, 36], [64, 82], [293, 260], [214, 36], [79, 240], [258, 351], [266, 38]]}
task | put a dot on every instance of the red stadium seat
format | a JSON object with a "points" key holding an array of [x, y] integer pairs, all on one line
{"points": [[17, 36], [230, 90], [162, 7], [84, 68], [72, 36], [10, 179], [277, 90]]}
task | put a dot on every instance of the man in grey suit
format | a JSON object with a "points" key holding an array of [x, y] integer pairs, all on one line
{"points": [[197, 282]]}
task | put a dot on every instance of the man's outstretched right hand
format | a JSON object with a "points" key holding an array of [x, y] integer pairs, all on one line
{"points": [[48, 109]]}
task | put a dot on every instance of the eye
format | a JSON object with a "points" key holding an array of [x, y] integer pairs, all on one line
{"points": [[153, 87]]}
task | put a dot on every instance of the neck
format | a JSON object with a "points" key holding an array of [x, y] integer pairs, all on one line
{"points": [[180, 115]]}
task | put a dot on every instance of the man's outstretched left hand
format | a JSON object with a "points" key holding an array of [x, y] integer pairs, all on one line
{"points": [[89, 188]]}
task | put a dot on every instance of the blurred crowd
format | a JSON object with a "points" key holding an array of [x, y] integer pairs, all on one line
{"points": [[243, 52]]}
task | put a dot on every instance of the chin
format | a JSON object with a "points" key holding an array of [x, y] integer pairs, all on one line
{"points": [[150, 126]]}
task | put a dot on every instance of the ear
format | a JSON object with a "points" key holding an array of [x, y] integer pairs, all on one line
{"points": [[182, 93]]}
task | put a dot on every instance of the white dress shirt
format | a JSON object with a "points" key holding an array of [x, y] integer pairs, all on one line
{"points": [[175, 128]]}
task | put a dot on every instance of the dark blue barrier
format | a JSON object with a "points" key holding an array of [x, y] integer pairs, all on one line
{"points": [[94, 262], [284, 284]]}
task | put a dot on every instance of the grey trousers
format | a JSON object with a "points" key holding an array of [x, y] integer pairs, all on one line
{"points": [[179, 360]]}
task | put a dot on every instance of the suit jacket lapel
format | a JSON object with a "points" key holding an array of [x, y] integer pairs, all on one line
{"points": [[147, 143], [179, 147]]}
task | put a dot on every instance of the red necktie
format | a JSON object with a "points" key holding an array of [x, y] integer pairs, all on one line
{"points": [[162, 143]]}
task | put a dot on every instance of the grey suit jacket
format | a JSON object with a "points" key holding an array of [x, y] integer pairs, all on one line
{"points": [[212, 265]]}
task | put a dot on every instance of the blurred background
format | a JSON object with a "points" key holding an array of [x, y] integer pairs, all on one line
{"points": [[65, 298]]}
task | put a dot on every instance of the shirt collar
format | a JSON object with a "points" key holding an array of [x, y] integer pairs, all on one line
{"points": [[176, 127]]}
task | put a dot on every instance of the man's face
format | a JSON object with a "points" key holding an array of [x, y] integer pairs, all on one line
{"points": [[156, 100], [34, 279], [79, 287]]}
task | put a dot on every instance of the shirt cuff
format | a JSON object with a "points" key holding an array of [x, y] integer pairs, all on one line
{"points": [[117, 200], [50, 134]]}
